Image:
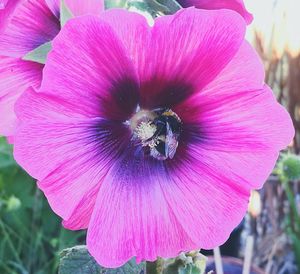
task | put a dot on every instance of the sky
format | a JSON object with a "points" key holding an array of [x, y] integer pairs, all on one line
{"points": [[278, 21]]}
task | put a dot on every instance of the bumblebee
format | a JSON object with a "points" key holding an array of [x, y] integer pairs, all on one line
{"points": [[167, 127]]}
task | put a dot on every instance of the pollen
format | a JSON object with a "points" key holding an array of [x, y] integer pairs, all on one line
{"points": [[145, 131]]}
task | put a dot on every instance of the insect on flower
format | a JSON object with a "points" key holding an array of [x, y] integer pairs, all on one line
{"points": [[161, 134]]}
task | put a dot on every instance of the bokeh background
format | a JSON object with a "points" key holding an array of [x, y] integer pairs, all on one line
{"points": [[31, 235]]}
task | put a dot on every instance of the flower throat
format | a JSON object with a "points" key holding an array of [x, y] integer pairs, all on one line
{"points": [[158, 131]]}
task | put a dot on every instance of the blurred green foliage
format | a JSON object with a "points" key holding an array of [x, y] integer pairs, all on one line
{"points": [[288, 171], [288, 168], [153, 7], [31, 235], [115, 3]]}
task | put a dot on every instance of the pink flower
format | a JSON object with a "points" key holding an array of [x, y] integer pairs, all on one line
{"points": [[24, 26], [236, 5], [6, 9], [3, 4], [151, 138]]}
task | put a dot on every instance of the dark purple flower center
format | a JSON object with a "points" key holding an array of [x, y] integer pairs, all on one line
{"points": [[157, 131]]}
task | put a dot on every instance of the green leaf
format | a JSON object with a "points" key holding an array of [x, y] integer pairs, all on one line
{"points": [[39, 54], [77, 260], [173, 5], [142, 6], [129, 268], [115, 4], [65, 13], [164, 6]]}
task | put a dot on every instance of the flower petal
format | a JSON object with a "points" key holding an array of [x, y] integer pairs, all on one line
{"points": [[148, 208], [32, 24], [132, 29], [249, 132], [181, 54], [131, 216], [6, 13], [16, 77], [236, 5], [94, 70], [82, 212], [186, 52], [81, 150], [244, 72], [238, 121], [93, 82], [207, 202], [3, 4], [54, 6], [77, 8]]}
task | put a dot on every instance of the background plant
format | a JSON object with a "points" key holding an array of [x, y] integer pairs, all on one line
{"points": [[31, 234]]}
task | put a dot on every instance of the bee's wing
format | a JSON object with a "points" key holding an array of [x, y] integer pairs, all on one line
{"points": [[171, 142], [154, 153]]}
